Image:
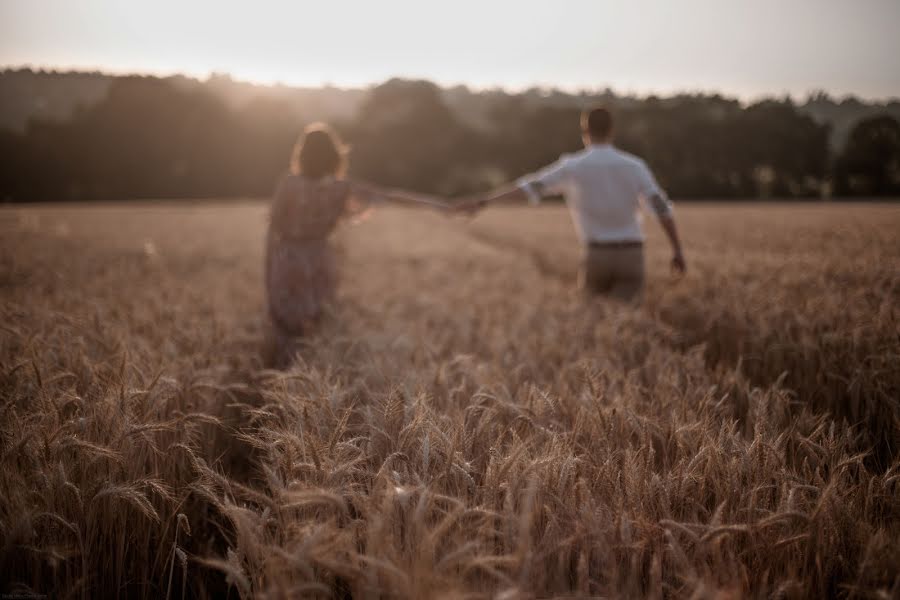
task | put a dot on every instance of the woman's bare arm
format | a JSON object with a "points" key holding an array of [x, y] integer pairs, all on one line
{"points": [[373, 193]]}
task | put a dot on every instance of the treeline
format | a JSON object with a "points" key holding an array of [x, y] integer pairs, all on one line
{"points": [[150, 138]]}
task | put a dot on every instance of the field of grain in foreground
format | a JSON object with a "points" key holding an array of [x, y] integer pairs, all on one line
{"points": [[463, 425]]}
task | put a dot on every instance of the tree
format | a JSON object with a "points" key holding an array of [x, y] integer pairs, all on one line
{"points": [[870, 162], [145, 137], [405, 136]]}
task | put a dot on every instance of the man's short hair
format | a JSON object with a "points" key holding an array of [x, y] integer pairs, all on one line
{"points": [[597, 122]]}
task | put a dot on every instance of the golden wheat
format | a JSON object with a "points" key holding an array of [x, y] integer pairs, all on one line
{"points": [[463, 425]]}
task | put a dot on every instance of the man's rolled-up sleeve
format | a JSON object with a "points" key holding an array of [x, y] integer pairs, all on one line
{"points": [[652, 195], [549, 181]]}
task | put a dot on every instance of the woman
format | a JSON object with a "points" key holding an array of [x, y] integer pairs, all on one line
{"points": [[309, 203]]}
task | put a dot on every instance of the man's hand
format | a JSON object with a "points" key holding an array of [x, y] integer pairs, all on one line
{"points": [[678, 264], [668, 225]]}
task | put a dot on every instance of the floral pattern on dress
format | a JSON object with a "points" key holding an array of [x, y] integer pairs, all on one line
{"points": [[301, 275]]}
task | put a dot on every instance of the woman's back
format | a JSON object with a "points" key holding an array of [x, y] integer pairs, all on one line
{"points": [[300, 266], [305, 209]]}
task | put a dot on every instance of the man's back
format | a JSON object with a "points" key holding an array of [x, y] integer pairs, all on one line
{"points": [[603, 187]]}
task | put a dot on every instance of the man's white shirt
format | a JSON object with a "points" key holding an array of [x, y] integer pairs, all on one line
{"points": [[604, 189]]}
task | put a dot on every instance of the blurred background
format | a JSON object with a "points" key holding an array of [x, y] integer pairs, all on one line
{"points": [[101, 100]]}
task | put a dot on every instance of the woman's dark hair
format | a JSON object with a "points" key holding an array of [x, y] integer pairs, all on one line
{"points": [[319, 152]]}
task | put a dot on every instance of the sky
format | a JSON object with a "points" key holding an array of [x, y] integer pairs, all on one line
{"points": [[744, 48]]}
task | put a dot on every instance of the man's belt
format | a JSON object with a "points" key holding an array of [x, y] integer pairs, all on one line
{"points": [[622, 244]]}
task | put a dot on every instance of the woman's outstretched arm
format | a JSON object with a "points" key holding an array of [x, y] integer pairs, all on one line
{"points": [[368, 194]]}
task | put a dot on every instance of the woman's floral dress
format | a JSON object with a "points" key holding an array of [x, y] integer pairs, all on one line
{"points": [[301, 274]]}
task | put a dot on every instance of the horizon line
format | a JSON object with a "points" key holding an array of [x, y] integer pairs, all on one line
{"points": [[205, 77]]}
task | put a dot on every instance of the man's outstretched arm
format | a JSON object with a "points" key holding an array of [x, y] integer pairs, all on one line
{"points": [[552, 179], [508, 194]]}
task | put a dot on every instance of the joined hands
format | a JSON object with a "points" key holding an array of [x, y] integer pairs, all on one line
{"points": [[467, 205]]}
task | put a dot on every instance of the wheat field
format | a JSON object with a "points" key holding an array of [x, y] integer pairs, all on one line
{"points": [[464, 425]]}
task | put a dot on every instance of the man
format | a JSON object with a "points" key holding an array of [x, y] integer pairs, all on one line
{"points": [[604, 188]]}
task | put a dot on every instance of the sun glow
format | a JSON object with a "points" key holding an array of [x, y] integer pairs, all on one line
{"points": [[766, 47]]}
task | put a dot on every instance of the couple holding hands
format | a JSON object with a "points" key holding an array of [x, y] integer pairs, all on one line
{"points": [[603, 187]]}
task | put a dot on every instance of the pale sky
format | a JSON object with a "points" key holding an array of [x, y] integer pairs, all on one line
{"points": [[747, 48]]}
